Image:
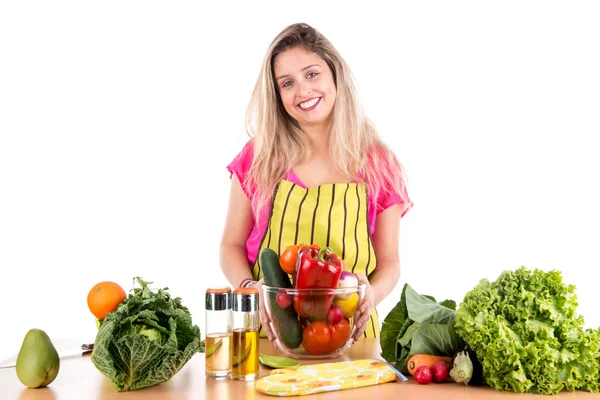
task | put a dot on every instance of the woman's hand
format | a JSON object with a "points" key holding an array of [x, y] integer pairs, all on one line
{"points": [[364, 309], [262, 311]]}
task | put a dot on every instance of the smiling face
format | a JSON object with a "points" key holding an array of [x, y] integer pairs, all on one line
{"points": [[306, 87]]}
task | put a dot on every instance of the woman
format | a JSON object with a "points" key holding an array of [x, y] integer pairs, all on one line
{"points": [[314, 171]]}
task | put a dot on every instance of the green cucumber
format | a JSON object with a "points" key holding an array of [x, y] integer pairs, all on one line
{"points": [[286, 319]]}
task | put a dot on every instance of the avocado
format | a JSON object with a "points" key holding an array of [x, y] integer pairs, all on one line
{"points": [[37, 362]]}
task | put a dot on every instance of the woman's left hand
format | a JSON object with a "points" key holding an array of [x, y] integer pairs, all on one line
{"points": [[364, 309]]}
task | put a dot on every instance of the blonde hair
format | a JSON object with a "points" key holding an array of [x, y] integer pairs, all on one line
{"points": [[279, 143]]}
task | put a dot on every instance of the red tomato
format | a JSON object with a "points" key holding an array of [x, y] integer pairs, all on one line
{"points": [[287, 260], [340, 333], [316, 338]]}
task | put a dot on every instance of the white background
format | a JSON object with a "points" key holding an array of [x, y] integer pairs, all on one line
{"points": [[117, 120]]}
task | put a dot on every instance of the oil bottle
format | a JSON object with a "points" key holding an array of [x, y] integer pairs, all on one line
{"points": [[219, 327], [245, 334]]}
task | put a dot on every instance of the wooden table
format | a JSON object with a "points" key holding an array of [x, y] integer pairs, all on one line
{"points": [[79, 379]]}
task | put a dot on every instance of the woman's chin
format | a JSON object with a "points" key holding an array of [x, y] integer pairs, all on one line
{"points": [[313, 121]]}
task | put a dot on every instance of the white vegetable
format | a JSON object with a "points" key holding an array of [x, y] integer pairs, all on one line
{"points": [[347, 280]]}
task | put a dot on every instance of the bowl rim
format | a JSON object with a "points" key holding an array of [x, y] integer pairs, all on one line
{"points": [[319, 291]]}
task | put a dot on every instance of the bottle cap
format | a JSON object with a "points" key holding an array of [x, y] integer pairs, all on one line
{"points": [[218, 299], [245, 299]]}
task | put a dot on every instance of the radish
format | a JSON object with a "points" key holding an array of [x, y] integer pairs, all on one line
{"points": [[283, 300], [440, 372], [335, 315], [423, 375]]}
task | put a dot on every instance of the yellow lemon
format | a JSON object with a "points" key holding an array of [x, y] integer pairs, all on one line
{"points": [[349, 305]]}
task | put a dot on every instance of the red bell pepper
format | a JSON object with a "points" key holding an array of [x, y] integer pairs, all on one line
{"points": [[315, 269]]}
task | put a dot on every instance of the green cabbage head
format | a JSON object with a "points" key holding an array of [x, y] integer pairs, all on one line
{"points": [[146, 341]]}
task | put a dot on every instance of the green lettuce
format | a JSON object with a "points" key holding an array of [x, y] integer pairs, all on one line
{"points": [[527, 335], [146, 341], [419, 325]]}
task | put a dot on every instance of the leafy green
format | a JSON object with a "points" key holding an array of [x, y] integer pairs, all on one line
{"points": [[425, 310], [147, 340], [394, 326], [438, 339], [418, 325], [451, 304], [527, 335], [406, 339]]}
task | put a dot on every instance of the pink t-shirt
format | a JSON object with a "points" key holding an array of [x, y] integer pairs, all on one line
{"points": [[241, 165]]}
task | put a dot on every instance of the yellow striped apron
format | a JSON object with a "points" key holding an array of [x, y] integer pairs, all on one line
{"points": [[333, 215]]}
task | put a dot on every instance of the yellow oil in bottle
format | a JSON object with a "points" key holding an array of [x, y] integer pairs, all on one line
{"points": [[219, 348], [245, 354]]}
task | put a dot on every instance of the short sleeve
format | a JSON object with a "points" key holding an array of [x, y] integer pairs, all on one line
{"points": [[388, 198], [240, 166]]}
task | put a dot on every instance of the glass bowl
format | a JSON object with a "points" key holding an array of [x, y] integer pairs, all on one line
{"points": [[312, 323]]}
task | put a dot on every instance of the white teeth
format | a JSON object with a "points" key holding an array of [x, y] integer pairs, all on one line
{"points": [[309, 104]]}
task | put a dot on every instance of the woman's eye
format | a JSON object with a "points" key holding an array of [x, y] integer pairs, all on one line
{"points": [[311, 74], [286, 84]]}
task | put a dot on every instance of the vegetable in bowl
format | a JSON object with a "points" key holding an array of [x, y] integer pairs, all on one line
{"points": [[146, 340]]}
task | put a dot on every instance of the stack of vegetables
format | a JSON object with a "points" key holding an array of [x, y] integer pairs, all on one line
{"points": [[519, 333], [318, 320]]}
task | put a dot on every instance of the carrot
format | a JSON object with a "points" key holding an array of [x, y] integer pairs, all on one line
{"points": [[425, 359]]}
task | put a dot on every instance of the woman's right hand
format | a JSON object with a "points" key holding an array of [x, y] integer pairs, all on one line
{"points": [[264, 318]]}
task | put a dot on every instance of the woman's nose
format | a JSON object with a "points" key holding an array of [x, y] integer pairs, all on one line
{"points": [[304, 90]]}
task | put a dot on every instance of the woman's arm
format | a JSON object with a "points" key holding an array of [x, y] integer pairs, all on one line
{"points": [[386, 242], [233, 253], [238, 225], [383, 280]]}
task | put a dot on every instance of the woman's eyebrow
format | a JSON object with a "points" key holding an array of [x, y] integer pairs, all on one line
{"points": [[303, 69]]}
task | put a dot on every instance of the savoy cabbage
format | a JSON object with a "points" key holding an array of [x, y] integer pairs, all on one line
{"points": [[146, 341]]}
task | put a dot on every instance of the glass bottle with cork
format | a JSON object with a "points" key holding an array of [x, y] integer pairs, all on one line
{"points": [[245, 334], [219, 346]]}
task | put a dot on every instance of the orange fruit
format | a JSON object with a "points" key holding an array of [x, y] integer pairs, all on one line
{"points": [[105, 297]]}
